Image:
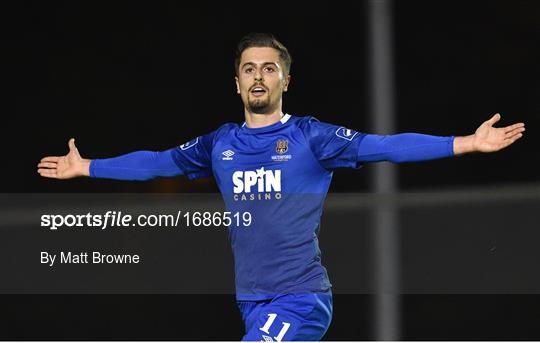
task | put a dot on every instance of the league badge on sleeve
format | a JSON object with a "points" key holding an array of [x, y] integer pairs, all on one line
{"points": [[345, 133], [189, 144]]}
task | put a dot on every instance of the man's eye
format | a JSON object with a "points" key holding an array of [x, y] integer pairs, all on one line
{"points": [[248, 70], [269, 69]]}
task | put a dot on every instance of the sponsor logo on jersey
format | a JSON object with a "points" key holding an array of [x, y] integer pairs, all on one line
{"points": [[227, 155], [345, 133], [259, 184], [189, 144]]}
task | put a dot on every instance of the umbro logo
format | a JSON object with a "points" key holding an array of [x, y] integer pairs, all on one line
{"points": [[227, 155]]}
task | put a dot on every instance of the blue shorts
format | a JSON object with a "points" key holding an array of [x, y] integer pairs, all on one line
{"points": [[287, 317]]}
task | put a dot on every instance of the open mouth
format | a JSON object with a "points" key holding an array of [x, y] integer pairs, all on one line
{"points": [[258, 91]]}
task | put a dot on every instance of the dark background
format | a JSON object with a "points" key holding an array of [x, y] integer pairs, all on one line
{"points": [[124, 76]]}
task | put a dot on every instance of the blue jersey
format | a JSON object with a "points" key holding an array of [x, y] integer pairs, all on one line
{"points": [[280, 174]]}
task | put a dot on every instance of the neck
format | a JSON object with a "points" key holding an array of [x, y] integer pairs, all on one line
{"points": [[255, 120]]}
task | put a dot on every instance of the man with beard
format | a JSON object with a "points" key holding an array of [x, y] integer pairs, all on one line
{"points": [[278, 167]]}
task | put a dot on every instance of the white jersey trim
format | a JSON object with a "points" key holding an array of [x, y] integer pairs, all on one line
{"points": [[283, 119]]}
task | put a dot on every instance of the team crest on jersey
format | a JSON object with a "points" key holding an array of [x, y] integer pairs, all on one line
{"points": [[282, 145], [345, 133], [189, 144]]}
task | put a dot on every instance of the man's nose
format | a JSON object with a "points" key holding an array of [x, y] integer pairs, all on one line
{"points": [[258, 76]]}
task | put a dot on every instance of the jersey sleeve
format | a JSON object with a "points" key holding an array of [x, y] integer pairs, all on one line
{"points": [[138, 165], [405, 147], [194, 158], [332, 145]]}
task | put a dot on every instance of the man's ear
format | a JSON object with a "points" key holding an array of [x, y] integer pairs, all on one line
{"points": [[237, 85], [286, 82]]}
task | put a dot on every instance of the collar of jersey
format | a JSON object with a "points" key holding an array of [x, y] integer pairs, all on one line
{"points": [[282, 122]]}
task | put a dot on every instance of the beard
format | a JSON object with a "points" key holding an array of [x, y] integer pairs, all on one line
{"points": [[260, 106]]}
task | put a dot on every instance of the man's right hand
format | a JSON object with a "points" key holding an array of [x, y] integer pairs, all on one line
{"points": [[65, 167]]}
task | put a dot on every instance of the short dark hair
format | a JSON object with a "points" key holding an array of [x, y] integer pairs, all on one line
{"points": [[262, 40]]}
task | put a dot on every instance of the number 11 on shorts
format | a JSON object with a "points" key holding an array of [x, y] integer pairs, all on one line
{"points": [[269, 321]]}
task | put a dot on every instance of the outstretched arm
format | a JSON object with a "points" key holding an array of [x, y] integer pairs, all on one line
{"points": [[139, 165], [411, 147], [488, 138], [65, 167]]}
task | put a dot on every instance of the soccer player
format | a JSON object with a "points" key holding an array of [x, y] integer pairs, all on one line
{"points": [[278, 167]]}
